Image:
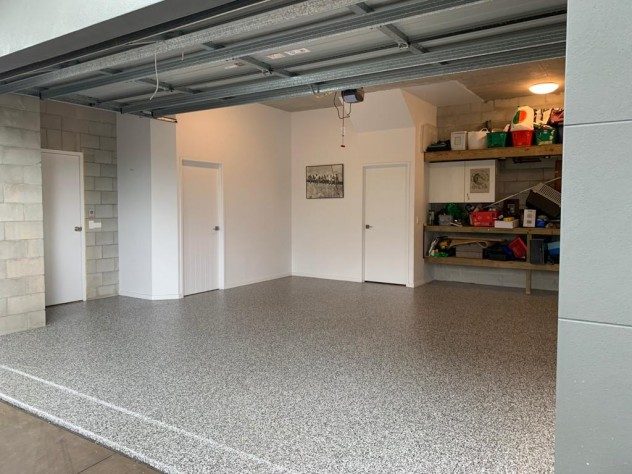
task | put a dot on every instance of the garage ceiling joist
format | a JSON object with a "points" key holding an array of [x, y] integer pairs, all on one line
{"points": [[532, 38], [554, 17], [374, 42], [391, 77], [328, 28], [275, 17]]}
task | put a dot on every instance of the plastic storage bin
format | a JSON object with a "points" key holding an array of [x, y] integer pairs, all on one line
{"points": [[522, 138], [496, 139], [518, 247], [544, 137], [483, 218], [477, 140]]}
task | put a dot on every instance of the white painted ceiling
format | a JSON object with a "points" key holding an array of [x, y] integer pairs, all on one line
{"points": [[445, 93]]}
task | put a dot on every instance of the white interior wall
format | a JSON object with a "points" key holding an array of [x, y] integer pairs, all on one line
{"points": [[134, 191], [425, 118], [327, 233], [271, 230], [165, 234], [148, 199], [252, 143]]}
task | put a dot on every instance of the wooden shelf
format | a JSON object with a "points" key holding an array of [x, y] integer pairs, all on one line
{"points": [[492, 153], [478, 262], [450, 229]]}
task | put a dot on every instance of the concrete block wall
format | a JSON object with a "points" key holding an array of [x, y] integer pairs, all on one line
{"points": [[72, 128], [470, 117], [21, 226], [512, 177]]}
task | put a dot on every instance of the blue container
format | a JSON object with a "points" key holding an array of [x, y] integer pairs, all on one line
{"points": [[554, 248]]}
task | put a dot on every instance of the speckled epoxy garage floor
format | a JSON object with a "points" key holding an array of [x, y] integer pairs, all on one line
{"points": [[301, 375]]}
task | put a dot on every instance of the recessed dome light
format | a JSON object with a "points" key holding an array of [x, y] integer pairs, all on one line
{"points": [[544, 87]]}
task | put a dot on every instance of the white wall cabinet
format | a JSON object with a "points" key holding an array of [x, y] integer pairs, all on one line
{"points": [[462, 181], [445, 182]]}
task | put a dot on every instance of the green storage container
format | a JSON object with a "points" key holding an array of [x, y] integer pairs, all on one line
{"points": [[496, 139], [545, 137]]}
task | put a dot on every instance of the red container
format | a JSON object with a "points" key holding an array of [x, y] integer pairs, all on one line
{"points": [[522, 138], [518, 247], [483, 218]]}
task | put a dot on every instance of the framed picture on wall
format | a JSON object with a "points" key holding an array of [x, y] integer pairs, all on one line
{"points": [[324, 181], [479, 180]]}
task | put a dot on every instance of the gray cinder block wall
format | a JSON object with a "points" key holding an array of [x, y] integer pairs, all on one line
{"points": [[21, 226], [72, 128], [512, 177]]}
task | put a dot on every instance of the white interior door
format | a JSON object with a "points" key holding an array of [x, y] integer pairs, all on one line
{"points": [[62, 188], [386, 224], [200, 226]]}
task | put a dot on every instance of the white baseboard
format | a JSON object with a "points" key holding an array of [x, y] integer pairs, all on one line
{"points": [[327, 277], [257, 280], [142, 296]]}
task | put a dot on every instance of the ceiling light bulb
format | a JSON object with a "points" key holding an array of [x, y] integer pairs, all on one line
{"points": [[544, 87]]}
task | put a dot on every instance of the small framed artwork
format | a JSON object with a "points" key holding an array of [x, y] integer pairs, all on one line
{"points": [[480, 180], [511, 208], [324, 181]]}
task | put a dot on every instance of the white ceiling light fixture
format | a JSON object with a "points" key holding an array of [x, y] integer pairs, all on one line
{"points": [[294, 52], [544, 87]]}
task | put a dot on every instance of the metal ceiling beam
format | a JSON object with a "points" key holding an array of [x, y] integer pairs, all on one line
{"points": [[392, 77], [162, 86], [381, 17], [274, 17], [497, 44], [542, 19], [263, 67], [391, 31]]}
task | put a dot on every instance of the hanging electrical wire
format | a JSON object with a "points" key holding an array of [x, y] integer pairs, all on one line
{"points": [[318, 94], [157, 80], [342, 115]]}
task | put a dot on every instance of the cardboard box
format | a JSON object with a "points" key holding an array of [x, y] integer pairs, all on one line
{"points": [[506, 224], [469, 251]]}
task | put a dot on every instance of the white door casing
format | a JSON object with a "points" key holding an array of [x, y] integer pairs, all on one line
{"points": [[64, 235], [386, 226], [201, 226]]}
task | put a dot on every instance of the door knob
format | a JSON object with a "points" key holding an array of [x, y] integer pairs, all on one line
{"points": [[368, 226], [78, 228], [216, 227]]}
